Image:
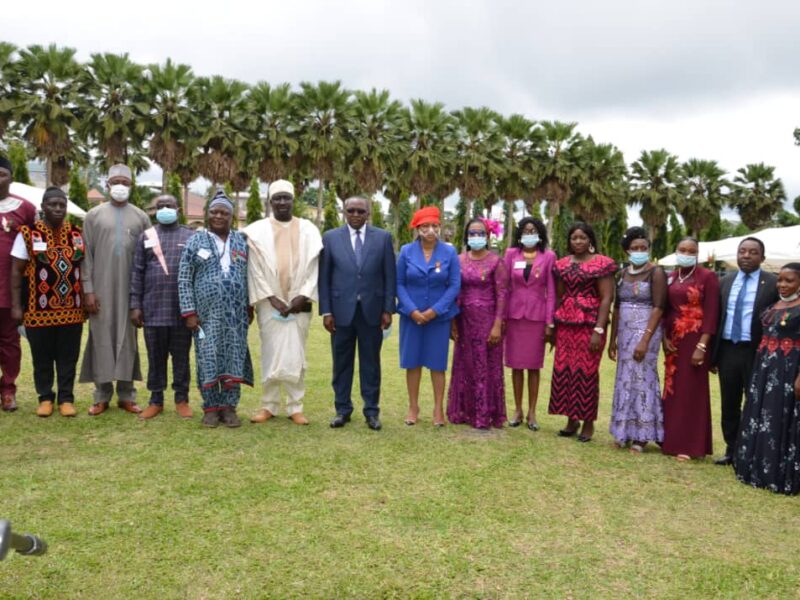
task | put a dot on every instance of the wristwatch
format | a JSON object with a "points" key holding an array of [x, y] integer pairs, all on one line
{"points": [[599, 330]]}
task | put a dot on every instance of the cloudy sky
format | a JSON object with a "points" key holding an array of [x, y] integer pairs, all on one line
{"points": [[706, 79]]}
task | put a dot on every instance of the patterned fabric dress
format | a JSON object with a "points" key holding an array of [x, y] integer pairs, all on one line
{"points": [[692, 310], [477, 392], [575, 388], [769, 437], [220, 301], [636, 414]]}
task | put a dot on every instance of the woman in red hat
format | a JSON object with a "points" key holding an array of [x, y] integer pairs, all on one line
{"points": [[428, 282]]}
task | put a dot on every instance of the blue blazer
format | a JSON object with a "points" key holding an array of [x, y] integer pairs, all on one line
{"points": [[342, 284], [435, 284]]}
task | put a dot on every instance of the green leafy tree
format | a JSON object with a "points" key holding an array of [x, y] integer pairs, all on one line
{"points": [[560, 225], [331, 210], [478, 155], [175, 189], [654, 181], [701, 194], [78, 190], [254, 205], [610, 230], [114, 119], [376, 215], [9, 92], [274, 130], [601, 191], [513, 182], [322, 113], [757, 195], [141, 196], [796, 205], [49, 107], [676, 231], [400, 213], [171, 123], [18, 155]]}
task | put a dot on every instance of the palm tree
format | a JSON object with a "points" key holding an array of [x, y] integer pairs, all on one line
{"points": [[517, 163], [601, 191], [478, 151], [757, 195], [322, 113], [49, 107], [375, 140], [171, 124], [220, 106], [556, 169], [8, 86], [273, 129], [654, 180], [115, 114], [427, 165], [701, 194]]}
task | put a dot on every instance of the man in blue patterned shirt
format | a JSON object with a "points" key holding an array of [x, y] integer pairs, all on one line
{"points": [[154, 306]]}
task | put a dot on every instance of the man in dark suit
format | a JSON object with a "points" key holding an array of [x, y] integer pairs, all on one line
{"points": [[744, 295], [356, 300]]}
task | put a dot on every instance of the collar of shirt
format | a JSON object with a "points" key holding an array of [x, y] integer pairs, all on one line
{"points": [[353, 234]]}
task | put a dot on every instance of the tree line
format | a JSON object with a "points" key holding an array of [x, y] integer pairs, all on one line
{"points": [[111, 109]]}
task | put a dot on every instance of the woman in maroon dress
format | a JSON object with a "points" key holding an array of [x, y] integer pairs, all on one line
{"points": [[585, 291], [689, 322]]}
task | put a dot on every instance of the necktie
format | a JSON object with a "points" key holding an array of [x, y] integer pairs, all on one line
{"points": [[359, 247], [738, 312]]}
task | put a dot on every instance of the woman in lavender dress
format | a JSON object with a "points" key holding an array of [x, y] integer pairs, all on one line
{"points": [[477, 391], [636, 415]]}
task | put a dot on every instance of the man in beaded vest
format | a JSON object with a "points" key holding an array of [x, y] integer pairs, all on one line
{"points": [[47, 256], [14, 211]]}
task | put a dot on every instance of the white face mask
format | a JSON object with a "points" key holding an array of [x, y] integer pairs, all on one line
{"points": [[120, 192]]}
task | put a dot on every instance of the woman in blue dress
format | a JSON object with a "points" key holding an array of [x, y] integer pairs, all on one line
{"points": [[428, 282]]}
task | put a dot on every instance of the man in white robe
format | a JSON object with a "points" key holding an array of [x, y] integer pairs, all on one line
{"points": [[282, 282]]}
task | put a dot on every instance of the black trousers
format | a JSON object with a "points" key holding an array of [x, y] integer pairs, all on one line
{"points": [[163, 342], [57, 347], [735, 363], [369, 340]]}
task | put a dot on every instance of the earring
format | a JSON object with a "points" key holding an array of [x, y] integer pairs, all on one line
{"points": [[591, 249]]}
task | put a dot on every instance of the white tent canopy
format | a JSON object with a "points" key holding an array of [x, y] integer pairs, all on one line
{"points": [[782, 246], [34, 196]]}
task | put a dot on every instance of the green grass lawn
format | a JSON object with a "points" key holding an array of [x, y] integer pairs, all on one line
{"points": [[167, 509]]}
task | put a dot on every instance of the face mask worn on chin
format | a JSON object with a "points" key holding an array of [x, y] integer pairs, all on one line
{"points": [[476, 243], [686, 260], [167, 216], [120, 192], [639, 258], [529, 240]]}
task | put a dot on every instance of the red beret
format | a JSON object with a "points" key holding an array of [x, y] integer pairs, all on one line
{"points": [[428, 214]]}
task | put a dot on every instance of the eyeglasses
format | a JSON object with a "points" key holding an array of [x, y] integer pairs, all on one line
{"points": [[356, 211]]}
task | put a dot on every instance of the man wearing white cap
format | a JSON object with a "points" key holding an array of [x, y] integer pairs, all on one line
{"points": [[110, 232], [282, 282]]}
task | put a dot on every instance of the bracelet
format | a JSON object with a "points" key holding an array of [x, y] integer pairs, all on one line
{"points": [[701, 347], [648, 330]]}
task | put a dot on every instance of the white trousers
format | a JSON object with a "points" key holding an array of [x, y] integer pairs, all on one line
{"points": [[295, 391]]}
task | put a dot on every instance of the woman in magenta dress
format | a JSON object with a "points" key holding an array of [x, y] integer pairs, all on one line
{"points": [[529, 312], [585, 290], [477, 390], [689, 323]]}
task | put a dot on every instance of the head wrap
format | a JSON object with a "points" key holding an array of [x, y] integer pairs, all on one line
{"points": [[428, 214], [119, 170], [6, 164], [221, 199], [281, 186], [52, 192]]}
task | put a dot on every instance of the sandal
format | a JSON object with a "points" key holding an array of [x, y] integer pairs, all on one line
{"points": [[636, 449], [683, 458], [584, 438], [533, 426]]}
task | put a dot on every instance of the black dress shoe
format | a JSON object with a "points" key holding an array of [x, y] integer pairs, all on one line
{"points": [[374, 423], [340, 420], [725, 461]]}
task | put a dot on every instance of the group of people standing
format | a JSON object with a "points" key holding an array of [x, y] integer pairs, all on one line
{"points": [[205, 288]]}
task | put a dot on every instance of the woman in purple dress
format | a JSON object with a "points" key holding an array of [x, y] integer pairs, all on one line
{"points": [[690, 321], [529, 312], [636, 415], [477, 391]]}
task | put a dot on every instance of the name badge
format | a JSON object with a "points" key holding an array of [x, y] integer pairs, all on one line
{"points": [[151, 244], [520, 264], [204, 253], [39, 246]]}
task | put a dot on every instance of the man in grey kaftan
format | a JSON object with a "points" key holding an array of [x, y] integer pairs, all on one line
{"points": [[110, 232]]}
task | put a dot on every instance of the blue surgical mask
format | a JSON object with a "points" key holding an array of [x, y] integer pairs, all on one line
{"points": [[639, 258], [476, 243], [529, 240], [686, 260], [166, 216]]}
